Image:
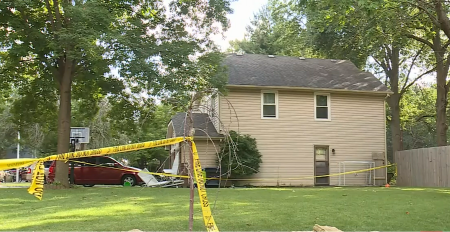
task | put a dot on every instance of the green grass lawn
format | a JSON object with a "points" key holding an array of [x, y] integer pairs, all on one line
{"points": [[253, 209]]}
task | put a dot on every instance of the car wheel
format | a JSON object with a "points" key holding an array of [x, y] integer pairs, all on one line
{"points": [[129, 178], [88, 185]]}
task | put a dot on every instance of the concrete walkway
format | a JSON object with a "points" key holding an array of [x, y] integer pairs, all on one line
{"points": [[15, 185]]}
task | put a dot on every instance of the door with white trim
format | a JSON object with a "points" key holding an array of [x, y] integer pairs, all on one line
{"points": [[321, 165]]}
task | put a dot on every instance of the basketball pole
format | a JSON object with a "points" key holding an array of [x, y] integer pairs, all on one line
{"points": [[72, 165], [18, 156], [79, 136]]}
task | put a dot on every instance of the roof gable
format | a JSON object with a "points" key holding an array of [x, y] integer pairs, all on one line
{"points": [[285, 71], [202, 125]]}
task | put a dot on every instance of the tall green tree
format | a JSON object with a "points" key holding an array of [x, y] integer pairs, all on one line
{"points": [[57, 51], [8, 130], [274, 30], [429, 24]]}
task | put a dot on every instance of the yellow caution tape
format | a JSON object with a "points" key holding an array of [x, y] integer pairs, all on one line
{"points": [[116, 149], [227, 179], [37, 185], [15, 163], [207, 216]]}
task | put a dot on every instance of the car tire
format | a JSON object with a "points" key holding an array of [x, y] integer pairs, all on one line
{"points": [[88, 185], [128, 178]]}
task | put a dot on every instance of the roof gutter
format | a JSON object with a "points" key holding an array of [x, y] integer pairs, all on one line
{"points": [[311, 89]]}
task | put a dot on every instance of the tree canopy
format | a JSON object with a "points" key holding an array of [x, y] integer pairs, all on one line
{"points": [[54, 53]]}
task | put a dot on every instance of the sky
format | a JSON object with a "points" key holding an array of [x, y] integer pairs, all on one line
{"points": [[239, 19]]}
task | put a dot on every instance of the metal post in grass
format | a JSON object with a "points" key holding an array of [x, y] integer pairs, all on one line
{"points": [[191, 186], [72, 165], [190, 131], [18, 156]]}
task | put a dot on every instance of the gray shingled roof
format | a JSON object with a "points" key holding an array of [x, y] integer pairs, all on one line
{"points": [[261, 70], [202, 124]]}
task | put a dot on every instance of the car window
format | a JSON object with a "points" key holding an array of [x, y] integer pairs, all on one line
{"points": [[84, 162], [88, 161], [47, 164], [106, 161]]}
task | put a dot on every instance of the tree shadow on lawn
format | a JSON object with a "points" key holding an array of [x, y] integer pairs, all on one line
{"points": [[71, 207], [119, 209]]}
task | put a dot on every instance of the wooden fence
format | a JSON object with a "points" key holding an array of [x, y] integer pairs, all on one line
{"points": [[424, 167]]}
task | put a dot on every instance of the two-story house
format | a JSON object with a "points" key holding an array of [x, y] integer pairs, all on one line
{"points": [[310, 117]]}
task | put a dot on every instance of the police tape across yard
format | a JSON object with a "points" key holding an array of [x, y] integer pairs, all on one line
{"points": [[37, 184], [234, 179]]}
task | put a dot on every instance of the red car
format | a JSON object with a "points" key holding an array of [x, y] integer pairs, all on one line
{"points": [[101, 170]]}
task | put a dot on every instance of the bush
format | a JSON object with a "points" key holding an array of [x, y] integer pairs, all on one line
{"points": [[242, 158]]}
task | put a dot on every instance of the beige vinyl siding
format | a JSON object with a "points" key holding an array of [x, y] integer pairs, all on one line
{"points": [[356, 129], [206, 150]]}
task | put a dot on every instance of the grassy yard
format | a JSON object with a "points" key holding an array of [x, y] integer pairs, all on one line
{"points": [[253, 209]]}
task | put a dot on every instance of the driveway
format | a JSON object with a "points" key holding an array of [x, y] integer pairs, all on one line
{"points": [[15, 185]]}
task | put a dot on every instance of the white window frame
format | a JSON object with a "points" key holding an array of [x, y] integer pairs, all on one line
{"points": [[262, 104], [328, 105]]}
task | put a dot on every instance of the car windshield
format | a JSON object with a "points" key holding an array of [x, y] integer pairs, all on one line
{"points": [[114, 160]]}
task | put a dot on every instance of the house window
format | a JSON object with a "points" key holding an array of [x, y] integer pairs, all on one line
{"points": [[321, 153], [322, 106], [269, 105]]}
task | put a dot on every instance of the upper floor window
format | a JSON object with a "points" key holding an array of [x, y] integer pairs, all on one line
{"points": [[322, 106], [269, 104]]}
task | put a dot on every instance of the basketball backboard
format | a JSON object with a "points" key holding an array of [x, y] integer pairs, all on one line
{"points": [[80, 133]]}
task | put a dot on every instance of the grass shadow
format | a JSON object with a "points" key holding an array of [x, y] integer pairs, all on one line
{"points": [[288, 209]]}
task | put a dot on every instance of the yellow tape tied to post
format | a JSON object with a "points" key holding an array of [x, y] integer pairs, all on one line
{"points": [[207, 216], [37, 185]]}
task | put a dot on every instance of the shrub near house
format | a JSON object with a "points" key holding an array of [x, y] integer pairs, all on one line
{"points": [[239, 156]]}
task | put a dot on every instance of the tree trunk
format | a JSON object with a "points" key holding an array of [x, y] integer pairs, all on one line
{"points": [[397, 140], [441, 108], [394, 101], [442, 91], [64, 119]]}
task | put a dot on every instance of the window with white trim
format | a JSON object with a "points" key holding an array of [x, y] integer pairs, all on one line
{"points": [[322, 106], [269, 104]]}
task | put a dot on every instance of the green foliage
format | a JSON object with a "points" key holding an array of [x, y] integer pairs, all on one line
{"points": [[239, 155], [8, 130], [44, 44], [418, 119], [274, 30], [154, 127]]}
